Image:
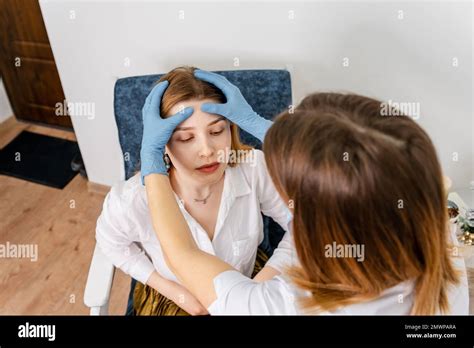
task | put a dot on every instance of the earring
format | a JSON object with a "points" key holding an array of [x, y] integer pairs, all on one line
{"points": [[167, 160]]}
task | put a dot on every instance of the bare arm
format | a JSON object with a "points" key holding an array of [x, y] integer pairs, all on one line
{"points": [[176, 293], [266, 273], [283, 256], [195, 268]]}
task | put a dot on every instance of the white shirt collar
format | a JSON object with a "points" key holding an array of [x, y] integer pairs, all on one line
{"points": [[235, 185]]}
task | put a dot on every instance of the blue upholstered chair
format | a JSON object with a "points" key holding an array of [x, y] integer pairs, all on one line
{"points": [[267, 91]]}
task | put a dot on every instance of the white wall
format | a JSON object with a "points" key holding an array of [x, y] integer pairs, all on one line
{"points": [[5, 108], [407, 59]]}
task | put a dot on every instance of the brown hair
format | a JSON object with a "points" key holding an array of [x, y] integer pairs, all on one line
{"points": [[184, 86], [358, 178]]}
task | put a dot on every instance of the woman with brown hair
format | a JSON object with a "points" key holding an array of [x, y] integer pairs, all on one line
{"points": [[369, 225], [221, 186]]}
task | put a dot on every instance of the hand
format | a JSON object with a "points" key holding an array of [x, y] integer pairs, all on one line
{"points": [[157, 132], [185, 300], [176, 293], [236, 109]]}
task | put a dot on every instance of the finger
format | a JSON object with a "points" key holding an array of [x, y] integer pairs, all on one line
{"points": [[154, 98], [217, 80], [181, 116], [212, 108]]}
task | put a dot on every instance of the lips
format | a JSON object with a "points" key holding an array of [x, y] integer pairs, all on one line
{"points": [[209, 168]]}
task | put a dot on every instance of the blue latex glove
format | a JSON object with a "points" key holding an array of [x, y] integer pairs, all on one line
{"points": [[236, 109], [157, 132]]}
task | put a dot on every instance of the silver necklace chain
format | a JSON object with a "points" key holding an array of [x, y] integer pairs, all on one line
{"points": [[203, 200]]}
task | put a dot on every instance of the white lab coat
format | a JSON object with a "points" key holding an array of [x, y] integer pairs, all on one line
{"points": [[239, 295]]}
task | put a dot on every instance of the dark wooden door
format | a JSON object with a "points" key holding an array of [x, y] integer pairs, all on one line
{"points": [[27, 64]]}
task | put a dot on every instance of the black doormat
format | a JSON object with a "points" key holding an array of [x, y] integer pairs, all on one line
{"points": [[39, 158]]}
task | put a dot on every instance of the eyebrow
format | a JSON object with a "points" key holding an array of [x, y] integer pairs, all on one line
{"points": [[210, 124]]}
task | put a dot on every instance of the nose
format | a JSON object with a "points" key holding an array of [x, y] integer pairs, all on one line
{"points": [[206, 147]]}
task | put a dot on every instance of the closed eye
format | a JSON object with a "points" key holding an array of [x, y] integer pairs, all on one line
{"points": [[218, 132], [185, 140]]}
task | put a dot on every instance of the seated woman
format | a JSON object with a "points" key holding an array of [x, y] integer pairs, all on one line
{"points": [[221, 186]]}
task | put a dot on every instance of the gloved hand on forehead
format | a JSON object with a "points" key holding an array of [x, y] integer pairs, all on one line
{"points": [[236, 109], [157, 132]]}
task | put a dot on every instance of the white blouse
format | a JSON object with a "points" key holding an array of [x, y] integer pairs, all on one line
{"points": [[126, 236]]}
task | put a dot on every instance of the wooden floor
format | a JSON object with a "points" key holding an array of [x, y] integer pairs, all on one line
{"points": [[62, 224]]}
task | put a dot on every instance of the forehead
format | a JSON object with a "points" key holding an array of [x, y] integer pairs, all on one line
{"points": [[198, 118]]}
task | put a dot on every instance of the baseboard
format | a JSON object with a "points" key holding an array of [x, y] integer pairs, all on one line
{"points": [[99, 189], [8, 121]]}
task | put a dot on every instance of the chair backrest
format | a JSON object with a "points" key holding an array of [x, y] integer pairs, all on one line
{"points": [[267, 91]]}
